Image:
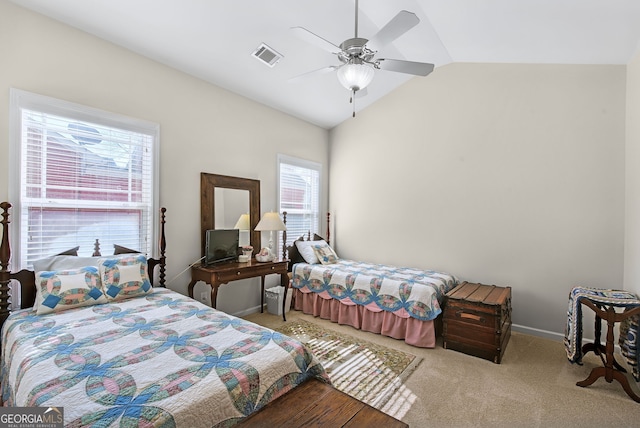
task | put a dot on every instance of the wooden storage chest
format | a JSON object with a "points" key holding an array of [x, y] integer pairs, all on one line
{"points": [[477, 320]]}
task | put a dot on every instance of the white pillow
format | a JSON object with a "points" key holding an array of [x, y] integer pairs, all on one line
{"points": [[305, 248], [124, 277], [66, 289], [64, 263], [71, 262]]}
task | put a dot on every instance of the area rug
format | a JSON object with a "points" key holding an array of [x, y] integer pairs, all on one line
{"points": [[367, 371]]}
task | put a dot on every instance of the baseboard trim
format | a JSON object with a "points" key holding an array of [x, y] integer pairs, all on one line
{"points": [[249, 311], [558, 337], [538, 332]]}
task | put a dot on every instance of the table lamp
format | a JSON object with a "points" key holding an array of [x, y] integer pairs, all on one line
{"points": [[269, 222]]}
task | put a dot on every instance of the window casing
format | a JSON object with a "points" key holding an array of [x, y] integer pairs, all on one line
{"points": [[79, 174], [299, 195]]}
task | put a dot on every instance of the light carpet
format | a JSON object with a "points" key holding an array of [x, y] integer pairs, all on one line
{"points": [[370, 372], [534, 387]]}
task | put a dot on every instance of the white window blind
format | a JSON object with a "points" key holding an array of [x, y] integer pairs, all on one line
{"points": [[83, 175], [299, 196]]}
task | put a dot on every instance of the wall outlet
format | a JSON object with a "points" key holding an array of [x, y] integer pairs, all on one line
{"points": [[203, 297]]}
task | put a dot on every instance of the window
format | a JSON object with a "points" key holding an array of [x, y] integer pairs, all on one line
{"points": [[79, 174], [299, 196]]}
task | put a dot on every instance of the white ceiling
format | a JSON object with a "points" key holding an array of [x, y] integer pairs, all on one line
{"points": [[214, 39]]}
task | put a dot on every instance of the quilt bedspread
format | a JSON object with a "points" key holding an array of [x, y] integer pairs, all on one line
{"points": [[158, 360], [407, 292]]}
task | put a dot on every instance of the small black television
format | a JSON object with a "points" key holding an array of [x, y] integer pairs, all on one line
{"points": [[221, 246]]}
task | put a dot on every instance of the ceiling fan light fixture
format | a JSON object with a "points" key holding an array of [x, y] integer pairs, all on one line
{"points": [[355, 76]]}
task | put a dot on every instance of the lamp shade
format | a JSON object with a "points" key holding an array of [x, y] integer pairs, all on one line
{"points": [[355, 76], [243, 223], [270, 221]]}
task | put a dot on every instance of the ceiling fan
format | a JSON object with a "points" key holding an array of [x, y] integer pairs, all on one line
{"points": [[357, 55]]}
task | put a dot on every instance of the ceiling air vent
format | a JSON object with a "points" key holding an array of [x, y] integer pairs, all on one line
{"points": [[267, 55]]}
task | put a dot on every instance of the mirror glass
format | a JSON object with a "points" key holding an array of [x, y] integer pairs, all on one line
{"points": [[230, 205], [223, 199]]}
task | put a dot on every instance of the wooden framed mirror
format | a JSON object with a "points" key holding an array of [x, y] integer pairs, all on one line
{"points": [[215, 189]]}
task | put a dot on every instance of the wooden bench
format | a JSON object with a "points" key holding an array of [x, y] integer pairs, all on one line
{"points": [[315, 403]]}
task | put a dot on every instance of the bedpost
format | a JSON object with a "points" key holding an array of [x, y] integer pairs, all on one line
{"points": [[162, 259], [5, 256], [96, 249], [284, 236], [328, 228], [163, 247]]}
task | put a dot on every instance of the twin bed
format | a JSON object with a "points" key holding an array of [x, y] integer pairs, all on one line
{"points": [[103, 344], [402, 303]]}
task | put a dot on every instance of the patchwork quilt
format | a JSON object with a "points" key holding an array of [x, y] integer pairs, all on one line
{"points": [[160, 359], [407, 292]]}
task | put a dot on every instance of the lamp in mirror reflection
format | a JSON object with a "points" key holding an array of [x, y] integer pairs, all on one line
{"points": [[243, 223], [244, 226]]}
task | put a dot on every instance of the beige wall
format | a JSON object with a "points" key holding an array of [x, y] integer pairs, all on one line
{"points": [[501, 174], [632, 170], [203, 127]]}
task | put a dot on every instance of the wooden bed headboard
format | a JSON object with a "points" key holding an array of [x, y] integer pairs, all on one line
{"points": [[289, 250], [26, 278]]}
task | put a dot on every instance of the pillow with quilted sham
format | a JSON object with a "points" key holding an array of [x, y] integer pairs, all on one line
{"points": [[124, 277], [66, 289], [324, 253]]}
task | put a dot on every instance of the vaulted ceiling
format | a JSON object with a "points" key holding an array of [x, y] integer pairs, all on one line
{"points": [[214, 39]]}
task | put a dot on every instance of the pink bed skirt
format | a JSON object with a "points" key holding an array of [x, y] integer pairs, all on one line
{"points": [[413, 331]]}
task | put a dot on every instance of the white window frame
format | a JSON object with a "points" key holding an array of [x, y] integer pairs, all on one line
{"points": [[20, 100], [307, 164]]}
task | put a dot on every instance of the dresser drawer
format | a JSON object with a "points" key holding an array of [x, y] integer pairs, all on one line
{"points": [[257, 270]]}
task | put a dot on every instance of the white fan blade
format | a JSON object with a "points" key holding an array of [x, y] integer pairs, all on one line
{"points": [[308, 74], [309, 37], [399, 24], [409, 67]]}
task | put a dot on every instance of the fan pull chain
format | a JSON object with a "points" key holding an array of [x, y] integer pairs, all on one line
{"points": [[352, 100]]}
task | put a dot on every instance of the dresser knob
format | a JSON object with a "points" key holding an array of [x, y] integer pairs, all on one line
{"points": [[237, 273], [273, 267]]}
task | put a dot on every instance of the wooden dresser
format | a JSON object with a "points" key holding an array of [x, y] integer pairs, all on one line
{"points": [[477, 320], [223, 273]]}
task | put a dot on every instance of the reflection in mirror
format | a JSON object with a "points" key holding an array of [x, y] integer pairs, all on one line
{"points": [[230, 205]]}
